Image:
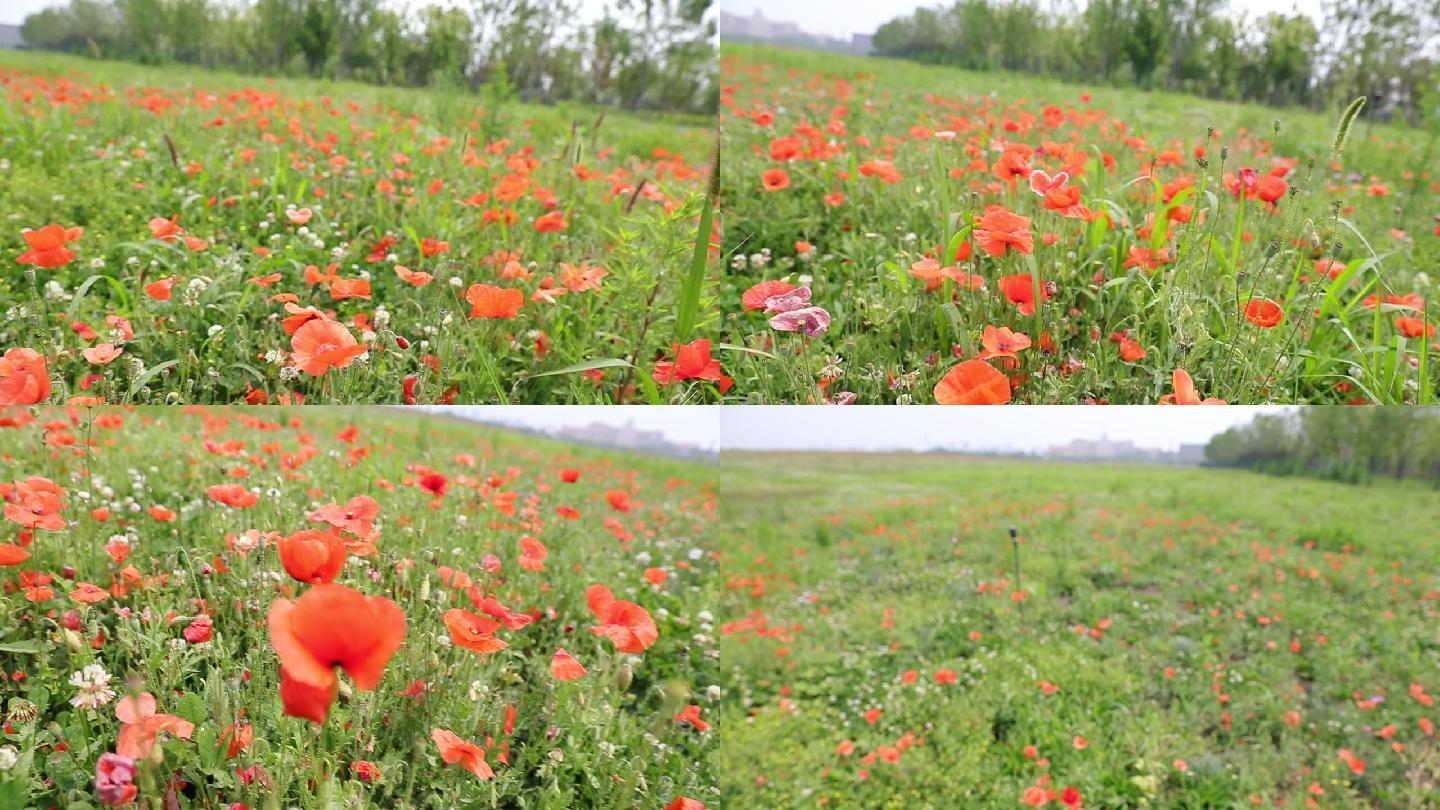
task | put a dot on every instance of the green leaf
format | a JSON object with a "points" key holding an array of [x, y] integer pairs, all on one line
{"points": [[688, 307], [589, 365], [148, 376], [731, 347]]}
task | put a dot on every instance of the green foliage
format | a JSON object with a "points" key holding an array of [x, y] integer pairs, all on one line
{"points": [[1336, 443], [656, 55], [1376, 47]]}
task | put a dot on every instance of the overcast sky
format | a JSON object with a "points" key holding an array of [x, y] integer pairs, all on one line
{"points": [[1023, 428], [687, 424], [841, 18]]}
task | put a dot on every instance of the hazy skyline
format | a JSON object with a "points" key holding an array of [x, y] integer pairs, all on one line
{"points": [[1008, 429], [842, 18], [692, 424]]}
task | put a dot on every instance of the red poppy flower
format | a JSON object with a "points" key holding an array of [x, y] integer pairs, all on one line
{"points": [[331, 626], [692, 362], [754, 298], [564, 667], [489, 301], [1185, 392], [973, 382], [23, 378], [1264, 313], [626, 624], [1020, 290], [312, 556], [999, 230], [47, 246], [473, 631], [775, 179], [320, 345], [235, 495], [456, 751]]}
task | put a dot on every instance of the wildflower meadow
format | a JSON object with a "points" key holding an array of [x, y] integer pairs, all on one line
{"points": [[178, 236], [910, 631], [263, 608], [898, 233]]}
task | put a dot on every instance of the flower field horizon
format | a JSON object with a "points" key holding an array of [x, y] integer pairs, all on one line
{"points": [[178, 236], [330, 607], [911, 630], [899, 233]]}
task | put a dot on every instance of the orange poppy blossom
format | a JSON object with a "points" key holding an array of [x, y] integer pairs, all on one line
{"points": [[627, 625], [11, 554], [457, 751], [473, 631], [692, 362], [564, 667], [690, 715], [102, 354], [1185, 393], [23, 377], [973, 382], [142, 726], [321, 344], [235, 495], [1000, 230], [312, 556], [489, 301], [1264, 313], [532, 554], [35, 503], [1020, 290], [47, 246], [775, 180], [331, 626], [1002, 342]]}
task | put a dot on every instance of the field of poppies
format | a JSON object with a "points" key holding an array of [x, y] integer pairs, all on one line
{"points": [[898, 233], [178, 236], [1157, 637], [263, 608]]}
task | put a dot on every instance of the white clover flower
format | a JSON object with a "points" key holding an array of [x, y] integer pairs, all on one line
{"points": [[93, 687]]}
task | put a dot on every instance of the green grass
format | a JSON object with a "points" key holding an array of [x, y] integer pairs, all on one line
{"points": [[892, 340], [857, 569], [108, 147], [606, 740]]}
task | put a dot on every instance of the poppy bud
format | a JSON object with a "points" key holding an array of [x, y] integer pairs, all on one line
{"points": [[72, 619], [402, 342], [72, 640], [68, 572], [623, 677]]}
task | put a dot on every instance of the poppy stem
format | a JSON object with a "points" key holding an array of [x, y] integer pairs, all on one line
{"points": [[1015, 544]]}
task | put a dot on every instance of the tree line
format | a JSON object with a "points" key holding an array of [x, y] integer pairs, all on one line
{"points": [[1384, 49], [639, 54], [1354, 445]]}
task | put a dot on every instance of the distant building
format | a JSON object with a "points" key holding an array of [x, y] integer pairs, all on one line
{"points": [[10, 36], [632, 439], [761, 30], [1125, 451], [1192, 454]]}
